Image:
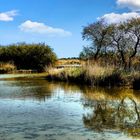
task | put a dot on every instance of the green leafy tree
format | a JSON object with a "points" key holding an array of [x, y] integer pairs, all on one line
{"points": [[28, 56]]}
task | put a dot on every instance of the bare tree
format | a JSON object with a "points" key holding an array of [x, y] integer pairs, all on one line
{"points": [[133, 29], [97, 33]]}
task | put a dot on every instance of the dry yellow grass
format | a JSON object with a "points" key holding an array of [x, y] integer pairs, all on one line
{"points": [[53, 71], [97, 70], [7, 67], [70, 62], [91, 74]]}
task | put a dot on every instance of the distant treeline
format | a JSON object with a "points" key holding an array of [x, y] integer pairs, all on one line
{"points": [[28, 56], [69, 58]]}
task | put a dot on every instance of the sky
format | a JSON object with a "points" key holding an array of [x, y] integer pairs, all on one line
{"points": [[59, 23]]}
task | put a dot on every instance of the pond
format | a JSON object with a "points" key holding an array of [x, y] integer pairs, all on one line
{"points": [[33, 108]]}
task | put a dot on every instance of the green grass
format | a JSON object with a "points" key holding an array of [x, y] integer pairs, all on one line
{"points": [[92, 75], [96, 75]]}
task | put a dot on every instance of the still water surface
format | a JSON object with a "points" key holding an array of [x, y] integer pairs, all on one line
{"points": [[35, 109]]}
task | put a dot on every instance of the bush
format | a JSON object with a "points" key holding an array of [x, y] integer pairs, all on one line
{"points": [[28, 56]]}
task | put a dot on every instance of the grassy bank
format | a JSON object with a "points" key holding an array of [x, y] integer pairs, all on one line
{"points": [[96, 75], [93, 75]]}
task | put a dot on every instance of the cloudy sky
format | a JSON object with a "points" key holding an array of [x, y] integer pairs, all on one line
{"points": [[59, 23]]}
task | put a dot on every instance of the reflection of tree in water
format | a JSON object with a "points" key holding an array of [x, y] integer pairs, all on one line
{"points": [[32, 89], [113, 109], [39, 89], [120, 112]]}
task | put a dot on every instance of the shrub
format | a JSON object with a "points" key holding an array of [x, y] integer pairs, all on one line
{"points": [[28, 56]]}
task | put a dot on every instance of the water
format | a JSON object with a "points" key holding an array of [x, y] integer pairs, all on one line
{"points": [[39, 110]]}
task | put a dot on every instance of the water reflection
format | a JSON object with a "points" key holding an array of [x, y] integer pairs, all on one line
{"points": [[67, 111], [25, 89], [115, 110]]}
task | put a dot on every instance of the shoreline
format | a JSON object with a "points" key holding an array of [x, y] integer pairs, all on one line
{"points": [[116, 78], [108, 81]]}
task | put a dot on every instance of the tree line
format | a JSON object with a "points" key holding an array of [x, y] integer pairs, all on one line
{"points": [[28, 56], [118, 44]]}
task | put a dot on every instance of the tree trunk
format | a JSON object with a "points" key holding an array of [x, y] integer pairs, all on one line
{"points": [[97, 53]]}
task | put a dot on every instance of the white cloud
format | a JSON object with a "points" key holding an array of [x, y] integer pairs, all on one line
{"points": [[8, 16], [41, 28], [131, 4], [117, 18]]}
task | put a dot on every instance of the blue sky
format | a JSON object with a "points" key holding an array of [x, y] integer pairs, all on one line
{"points": [[58, 23]]}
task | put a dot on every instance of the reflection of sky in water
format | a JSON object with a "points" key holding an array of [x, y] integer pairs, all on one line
{"points": [[11, 75], [40, 110]]}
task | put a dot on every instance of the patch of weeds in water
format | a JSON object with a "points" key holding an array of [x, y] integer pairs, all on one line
{"points": [[31, 136]]}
